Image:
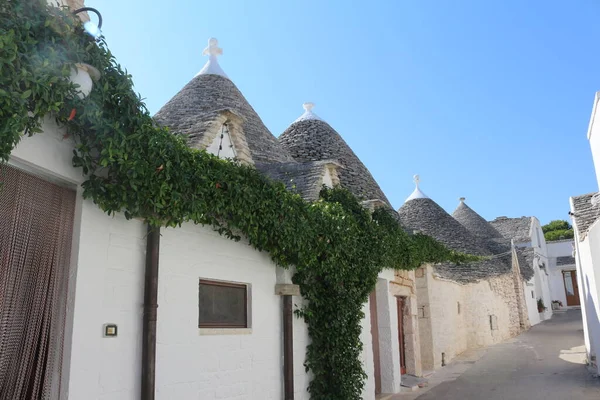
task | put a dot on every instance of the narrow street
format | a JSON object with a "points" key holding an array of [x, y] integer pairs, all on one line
{"points": [[545, 363]]}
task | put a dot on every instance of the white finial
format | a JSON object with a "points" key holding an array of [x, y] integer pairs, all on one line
{"points": [[462, 199], [416, 194], [213, 48], [212, 66], [308, 114]]}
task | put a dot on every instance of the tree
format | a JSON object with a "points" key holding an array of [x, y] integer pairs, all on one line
{"points": [[557, 230]]}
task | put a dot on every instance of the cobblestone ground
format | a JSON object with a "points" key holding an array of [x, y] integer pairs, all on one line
{"points": [[545, 363]]}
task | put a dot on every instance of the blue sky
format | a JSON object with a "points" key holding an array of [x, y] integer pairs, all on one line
{"points": [[484, 99]]}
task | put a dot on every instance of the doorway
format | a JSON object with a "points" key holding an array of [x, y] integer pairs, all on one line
{"points": [[35, 245], [401, 341], [571, 288], [375, 340]]}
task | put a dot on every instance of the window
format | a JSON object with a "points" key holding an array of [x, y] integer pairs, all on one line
{"points": [[493, 322], [222, 305]]}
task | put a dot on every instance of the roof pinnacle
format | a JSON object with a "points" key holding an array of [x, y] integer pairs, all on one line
{"points": [[212, 66], [308, 113], [417, 193]]}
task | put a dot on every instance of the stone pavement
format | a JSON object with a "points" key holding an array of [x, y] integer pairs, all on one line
{"points": [[545, 363]]}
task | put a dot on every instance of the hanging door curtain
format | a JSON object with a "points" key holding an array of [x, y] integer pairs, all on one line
{"points": [[36, 221]]}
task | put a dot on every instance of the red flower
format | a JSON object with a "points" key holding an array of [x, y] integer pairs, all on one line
{"points": [[72, 115]]}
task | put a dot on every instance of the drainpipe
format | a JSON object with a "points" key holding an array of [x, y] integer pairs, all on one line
{"points": [[286, 291], [288, 348], [150, 306]]}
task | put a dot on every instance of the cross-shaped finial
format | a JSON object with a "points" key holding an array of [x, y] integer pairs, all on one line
{"points": [[416, 179], [308, 106], [213, 48]]}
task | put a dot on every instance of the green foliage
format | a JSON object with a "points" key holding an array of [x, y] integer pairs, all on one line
{"points": [[556, 225], [559, 235], [134, 167], [557, 229]]}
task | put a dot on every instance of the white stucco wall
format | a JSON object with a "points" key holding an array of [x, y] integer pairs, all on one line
{"points": [[367, 355], [559, 248], [107, 284], [193, 365], [588, 257], [594, 136], [531, 301], [387, 319]]}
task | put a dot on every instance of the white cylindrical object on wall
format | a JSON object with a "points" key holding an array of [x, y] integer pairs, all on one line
{"points": [[81, 77]]}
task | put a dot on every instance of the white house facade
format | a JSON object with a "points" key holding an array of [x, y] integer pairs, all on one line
{"points": [[585, 214]]}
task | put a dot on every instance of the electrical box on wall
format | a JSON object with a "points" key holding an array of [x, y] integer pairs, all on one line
{"points": [[110, 330]]}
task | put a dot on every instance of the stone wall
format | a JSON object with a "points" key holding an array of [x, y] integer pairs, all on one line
{"points": [[454, 317]]}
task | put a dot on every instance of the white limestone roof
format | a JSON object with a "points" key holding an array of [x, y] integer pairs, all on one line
{"points": [[417, 193], [308, 114], [212, 66]]}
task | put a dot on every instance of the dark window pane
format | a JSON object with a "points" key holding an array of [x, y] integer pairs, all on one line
{"points": [[222, 305]]}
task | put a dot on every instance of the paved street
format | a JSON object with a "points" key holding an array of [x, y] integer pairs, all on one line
{"points": [[545, 363]]}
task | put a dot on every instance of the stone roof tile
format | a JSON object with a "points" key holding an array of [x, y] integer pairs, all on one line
{"points": [[525, 258], [315, 140], [190, 111], [585, 213], [565, 260], [305, 178], [425, 215], [474, 222], [513, 228]]}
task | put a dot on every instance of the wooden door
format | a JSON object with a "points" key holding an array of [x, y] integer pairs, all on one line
{"points": [[375, 336], [571, 288], [400, 301]]}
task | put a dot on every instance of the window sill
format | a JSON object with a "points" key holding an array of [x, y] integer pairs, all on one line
{"points": [[224, 331]]}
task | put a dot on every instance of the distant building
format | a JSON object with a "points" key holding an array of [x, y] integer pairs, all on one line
{"points": [[527, 235], [468, 306]]}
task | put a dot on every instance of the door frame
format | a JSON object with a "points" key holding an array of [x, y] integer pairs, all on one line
{"points": [[401, 304], [573, 274]]}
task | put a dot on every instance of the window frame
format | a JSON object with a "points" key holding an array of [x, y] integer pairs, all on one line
{"points": [[221, 325]]}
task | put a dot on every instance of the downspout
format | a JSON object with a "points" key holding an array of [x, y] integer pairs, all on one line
{"points": [[288, 348], [286, 291], [149, 319]]}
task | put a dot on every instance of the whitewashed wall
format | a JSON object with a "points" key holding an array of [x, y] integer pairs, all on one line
{"points": [[531, 301], [209, 364], [588, 257], [107, 283], [559, 248], [594, 136]]}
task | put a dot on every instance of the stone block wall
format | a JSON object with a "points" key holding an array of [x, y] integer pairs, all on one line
{"points": [[454, 317]]}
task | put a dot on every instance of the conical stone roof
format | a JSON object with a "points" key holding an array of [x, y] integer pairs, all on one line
{"points": [[426, 216], [474, 223], [194, 109], [309, 138]]}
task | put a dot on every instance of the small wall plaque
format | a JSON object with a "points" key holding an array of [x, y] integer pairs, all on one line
{"points": [[110, 330]]}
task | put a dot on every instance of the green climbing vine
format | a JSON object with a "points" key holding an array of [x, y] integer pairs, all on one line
{"points": [[135, 167]]}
